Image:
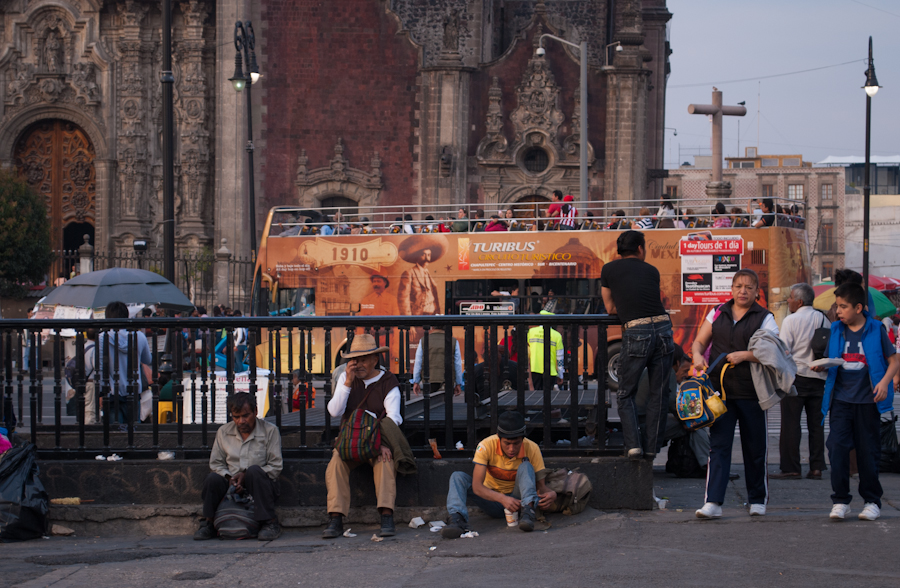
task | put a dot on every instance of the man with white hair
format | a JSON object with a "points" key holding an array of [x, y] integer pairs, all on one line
{"points": [[797, 333]]}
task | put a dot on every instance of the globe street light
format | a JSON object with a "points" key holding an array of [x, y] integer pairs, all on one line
{"points": [[871, 89], [244, 40]]}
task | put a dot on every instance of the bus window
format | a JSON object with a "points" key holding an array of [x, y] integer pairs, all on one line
{"points": [[559, 296], [294, 302]]}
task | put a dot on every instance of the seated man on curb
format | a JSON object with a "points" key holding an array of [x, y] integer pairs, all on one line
{"points": [[509, 474], [363, 385], [246, 455]]}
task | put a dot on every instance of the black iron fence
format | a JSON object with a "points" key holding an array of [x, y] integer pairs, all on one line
{"points": [[286, 363], [196, 273]]}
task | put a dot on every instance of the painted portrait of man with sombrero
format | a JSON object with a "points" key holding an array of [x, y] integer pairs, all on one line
{"points": [[379, 302], [417, 293]]}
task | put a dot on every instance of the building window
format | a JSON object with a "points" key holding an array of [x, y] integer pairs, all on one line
{"points": [[795, 191], [827, 269], [768, 191], [791, 162], [827, 237], [535, 160], [672, 192], [770, 162], [827, 191]]}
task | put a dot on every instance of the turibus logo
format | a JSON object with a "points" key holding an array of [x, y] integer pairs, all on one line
{"points": [[463, 253]]}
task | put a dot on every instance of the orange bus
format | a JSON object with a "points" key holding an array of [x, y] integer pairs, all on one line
{"points": [[356, 266]]}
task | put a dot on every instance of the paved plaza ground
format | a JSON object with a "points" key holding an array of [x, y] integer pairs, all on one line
{"points": [[794, 545]]}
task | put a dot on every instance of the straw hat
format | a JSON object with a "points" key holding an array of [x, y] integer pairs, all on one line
{"points": [[410, 249], [363, 345]]}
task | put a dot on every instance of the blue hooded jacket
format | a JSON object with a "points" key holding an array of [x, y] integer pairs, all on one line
{"points": [[875, 358]]}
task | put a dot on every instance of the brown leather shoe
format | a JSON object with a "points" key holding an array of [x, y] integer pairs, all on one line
{"points": [[814, 475], [786, 476]]}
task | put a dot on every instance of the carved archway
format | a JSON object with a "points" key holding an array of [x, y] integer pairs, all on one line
{"points": [[56, 157]]}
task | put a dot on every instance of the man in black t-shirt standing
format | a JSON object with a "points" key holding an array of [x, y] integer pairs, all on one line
{"points": [[630, 288]]}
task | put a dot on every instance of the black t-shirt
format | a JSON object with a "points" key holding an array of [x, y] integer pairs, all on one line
{"points": [[635, 288], [768, 219]]}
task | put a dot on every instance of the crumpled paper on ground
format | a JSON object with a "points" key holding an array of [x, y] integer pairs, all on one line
{"points": [[416, 523], [348, 534], [376, 538]]}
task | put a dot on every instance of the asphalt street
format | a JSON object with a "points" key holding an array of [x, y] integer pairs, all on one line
{"points": [[794, 545]]}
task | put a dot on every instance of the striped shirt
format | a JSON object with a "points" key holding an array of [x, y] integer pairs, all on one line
{"points": [[569, 212]]}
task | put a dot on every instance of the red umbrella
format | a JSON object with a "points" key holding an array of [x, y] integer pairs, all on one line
{"points": [[882, 283]]}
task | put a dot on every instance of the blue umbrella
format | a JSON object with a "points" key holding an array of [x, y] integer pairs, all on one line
{"points": [[131, 286]]}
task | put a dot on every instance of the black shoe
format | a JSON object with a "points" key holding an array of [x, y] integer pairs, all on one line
{"points": [[526, 518], [270, 531], [734, 476], [456, 527], [335, 528], [387, 526], [206, 531]]}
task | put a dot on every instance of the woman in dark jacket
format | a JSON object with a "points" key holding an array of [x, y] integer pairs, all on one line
{"points": [[729, 329]]}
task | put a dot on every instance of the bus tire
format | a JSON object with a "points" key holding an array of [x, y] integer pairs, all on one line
{"points": [[612, 365]]}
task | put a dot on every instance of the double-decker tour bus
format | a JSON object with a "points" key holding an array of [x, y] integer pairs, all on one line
{"points": [[367, 263]]}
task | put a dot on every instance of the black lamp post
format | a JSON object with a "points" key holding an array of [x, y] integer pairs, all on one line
{"points": [[871, 89], [168, 146], [245, 41]]}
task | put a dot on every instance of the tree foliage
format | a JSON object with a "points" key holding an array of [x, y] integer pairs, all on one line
{"points": [[25, 253]]}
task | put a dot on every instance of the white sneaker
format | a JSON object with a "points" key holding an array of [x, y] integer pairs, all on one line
{"points": [[757, 510], [870, 512], [710, 510], [839, 511]]}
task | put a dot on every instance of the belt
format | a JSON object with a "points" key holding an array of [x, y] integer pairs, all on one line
{"points": [[647, 321]]}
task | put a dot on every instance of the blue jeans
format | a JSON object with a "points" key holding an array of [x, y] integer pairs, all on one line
{"points": [[645, 346], [859, 426], [461, 492]]}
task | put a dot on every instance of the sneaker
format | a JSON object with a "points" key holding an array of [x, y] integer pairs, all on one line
{"points": [[270, 531], [387, 526], [206, 531], [839, 511], [710, 510], [526, 518], [335, 528], [870, 512], [634, 454], [456, 527], [757, 510]]}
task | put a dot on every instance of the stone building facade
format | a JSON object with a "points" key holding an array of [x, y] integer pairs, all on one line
{"points": [[361, 103], [819, 191]]}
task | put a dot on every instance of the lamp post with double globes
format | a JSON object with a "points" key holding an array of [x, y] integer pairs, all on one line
{"points": [[245, 41], [871, 89]]}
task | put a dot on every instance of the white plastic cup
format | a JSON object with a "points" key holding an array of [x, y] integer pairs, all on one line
{"points": [[512, 518]]}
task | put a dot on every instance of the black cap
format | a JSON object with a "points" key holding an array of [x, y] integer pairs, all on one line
{"points": [[511, 425]]}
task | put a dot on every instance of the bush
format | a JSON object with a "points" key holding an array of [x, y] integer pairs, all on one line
{"points": [[25, 253]]}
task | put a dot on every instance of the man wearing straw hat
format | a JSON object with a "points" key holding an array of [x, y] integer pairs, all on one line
{"points": [[418, 294], [363, 385]]}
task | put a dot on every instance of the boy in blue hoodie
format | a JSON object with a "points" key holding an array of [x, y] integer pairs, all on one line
{"points": [[857, 393]]}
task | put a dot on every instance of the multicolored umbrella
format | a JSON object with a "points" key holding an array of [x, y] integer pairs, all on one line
{"points": [[883, 306]]}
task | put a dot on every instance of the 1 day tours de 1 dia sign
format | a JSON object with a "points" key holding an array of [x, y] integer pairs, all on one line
{"points": [[707, 267]]}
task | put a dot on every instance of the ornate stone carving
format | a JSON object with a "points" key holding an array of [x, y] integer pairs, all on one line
{"points": [[53, 57], [494, 143], [194, 12], [338, 178], [132, 13], [84, 79], [451, 31], [538, 98]]}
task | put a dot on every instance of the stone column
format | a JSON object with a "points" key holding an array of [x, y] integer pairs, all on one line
{"points": [[86, 257], [230, 201], [223, 256]]}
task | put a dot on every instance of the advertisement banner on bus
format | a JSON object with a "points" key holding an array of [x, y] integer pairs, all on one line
{"points": [[708, 265]]}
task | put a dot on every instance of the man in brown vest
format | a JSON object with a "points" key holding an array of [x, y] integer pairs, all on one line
{"points": [[363, 385]]}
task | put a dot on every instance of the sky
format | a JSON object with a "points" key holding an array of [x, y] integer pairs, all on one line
{"points": [[816, 113]]}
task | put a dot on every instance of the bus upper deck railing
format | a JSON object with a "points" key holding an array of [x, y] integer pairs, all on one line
{"points": [[533, 216], [571, 416]]}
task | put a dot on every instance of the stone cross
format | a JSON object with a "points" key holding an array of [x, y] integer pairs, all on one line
{"points": [[717, 188]]}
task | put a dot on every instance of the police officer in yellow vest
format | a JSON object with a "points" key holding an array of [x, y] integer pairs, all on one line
{"points": [[536, 354]]}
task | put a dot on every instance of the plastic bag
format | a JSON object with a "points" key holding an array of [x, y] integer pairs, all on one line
{"points": [[24, 504], [890, 452]]}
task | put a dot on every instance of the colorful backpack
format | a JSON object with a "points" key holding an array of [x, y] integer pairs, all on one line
{"points": [[698, 404]]}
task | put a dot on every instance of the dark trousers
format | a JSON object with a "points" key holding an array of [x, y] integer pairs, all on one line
{"points": [[753, 444], [810, 391], [537, 380], [859, 426], [257, 483], [645, 346]]}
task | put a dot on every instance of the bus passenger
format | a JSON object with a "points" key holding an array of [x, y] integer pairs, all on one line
{"points": [[461, 225], [495, 224]]}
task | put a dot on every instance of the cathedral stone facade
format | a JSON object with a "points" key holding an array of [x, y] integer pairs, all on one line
{"points": [[361, 103]]}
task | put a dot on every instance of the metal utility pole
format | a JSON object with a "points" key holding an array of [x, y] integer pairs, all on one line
{"points": [[168, 82]]}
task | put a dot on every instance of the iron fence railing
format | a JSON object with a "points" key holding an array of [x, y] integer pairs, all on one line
{"points": [[566, 416]]}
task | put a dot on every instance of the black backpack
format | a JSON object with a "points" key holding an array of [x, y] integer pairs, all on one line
{"points": [[71, 366], [234, 517], [820, 338], [682, 461]]}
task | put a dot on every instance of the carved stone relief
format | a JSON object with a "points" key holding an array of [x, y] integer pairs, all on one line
{"points": [[338, 178]]}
